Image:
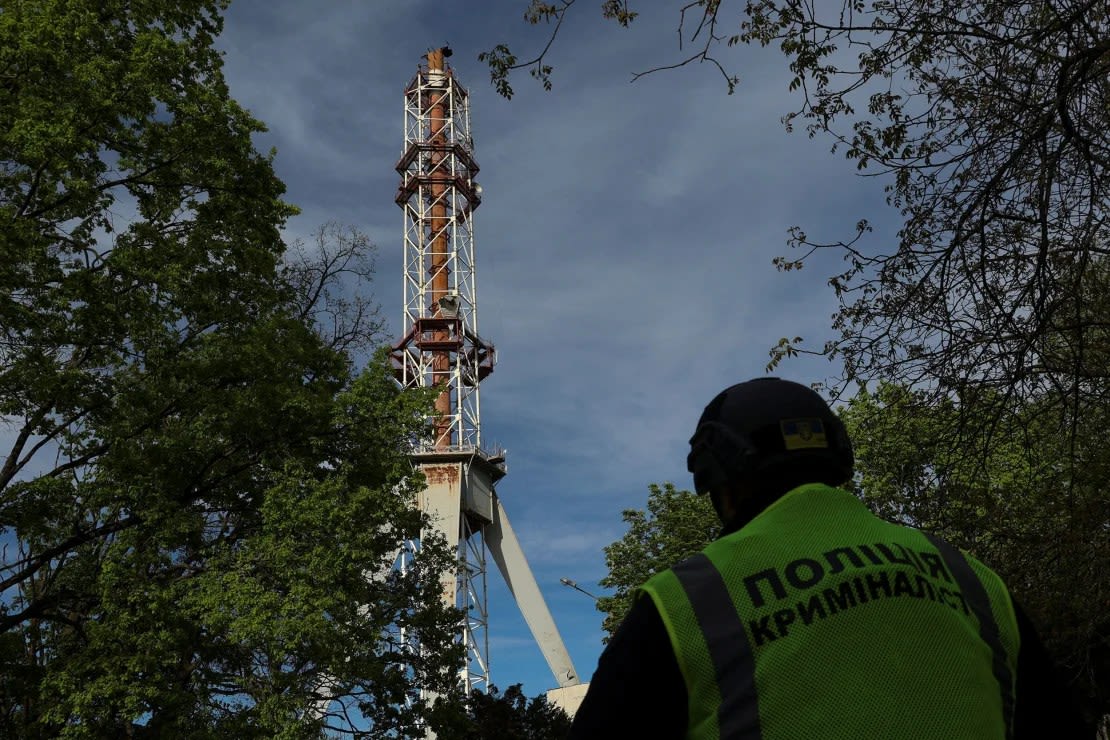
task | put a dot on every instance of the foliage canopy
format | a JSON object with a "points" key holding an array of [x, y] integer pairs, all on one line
{"points": [[1018, 510], [200, 498], [988, 121], [980, 327], [500, 716], [675, 525], [1034, 509]]}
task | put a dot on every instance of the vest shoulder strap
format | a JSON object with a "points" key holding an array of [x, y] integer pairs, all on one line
{"points": [[979, 603], [729, 648]]}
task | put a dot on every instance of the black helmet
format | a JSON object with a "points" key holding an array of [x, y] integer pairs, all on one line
{"points": [[767, 427]]}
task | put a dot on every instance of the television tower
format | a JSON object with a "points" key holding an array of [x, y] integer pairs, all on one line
{"points": [[441, 348]]}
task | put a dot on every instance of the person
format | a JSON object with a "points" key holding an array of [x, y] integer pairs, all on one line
{"points": [[809, 617]]}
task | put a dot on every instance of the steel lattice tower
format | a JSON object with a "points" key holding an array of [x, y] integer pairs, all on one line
{"points": [[441, 348]]}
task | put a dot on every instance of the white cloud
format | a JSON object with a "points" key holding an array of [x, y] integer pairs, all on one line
{"points": [[624, 244]]}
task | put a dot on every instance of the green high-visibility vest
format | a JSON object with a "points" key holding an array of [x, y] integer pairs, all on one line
{"points": [[820, 621]]}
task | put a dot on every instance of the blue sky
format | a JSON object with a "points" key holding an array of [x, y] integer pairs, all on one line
{"points": [[624, 243]]}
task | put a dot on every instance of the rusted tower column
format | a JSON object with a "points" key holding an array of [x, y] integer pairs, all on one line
{"points": [[439, 235], [441, 348], [438, 195]]}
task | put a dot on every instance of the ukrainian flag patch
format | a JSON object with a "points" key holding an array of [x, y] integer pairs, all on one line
{"points": [[801, 434]]}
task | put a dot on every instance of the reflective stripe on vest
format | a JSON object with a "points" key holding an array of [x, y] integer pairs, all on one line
{"points": [[731, 652], [733, 663], [980, 604]]}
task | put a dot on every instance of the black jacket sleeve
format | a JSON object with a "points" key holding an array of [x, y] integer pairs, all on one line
{"points": [[638, 666], [1043, 707], [637, 690]]}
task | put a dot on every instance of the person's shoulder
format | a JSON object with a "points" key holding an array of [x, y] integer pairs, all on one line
{"points": [[655, 581]]}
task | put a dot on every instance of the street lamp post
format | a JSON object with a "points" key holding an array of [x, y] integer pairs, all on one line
{"points": [[575, 586]]}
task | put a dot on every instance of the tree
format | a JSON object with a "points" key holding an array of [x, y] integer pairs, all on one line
{"points": [[331, 280], [1021, 509], [1018, 510], [200, 499], [988, 122], [675, 525], [500, 716]]}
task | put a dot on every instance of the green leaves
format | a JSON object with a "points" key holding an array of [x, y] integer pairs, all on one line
{"points": [[501, 61], [785, 347], [618, 10], [1019, 495], [987, 122], [675, 525], [499, 716], [202, 500]]}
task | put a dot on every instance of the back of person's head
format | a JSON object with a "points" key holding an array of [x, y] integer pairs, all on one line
{"points": [[768, 436]]}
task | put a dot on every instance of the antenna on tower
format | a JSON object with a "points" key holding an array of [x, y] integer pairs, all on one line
{"points": [[441, 348]]}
